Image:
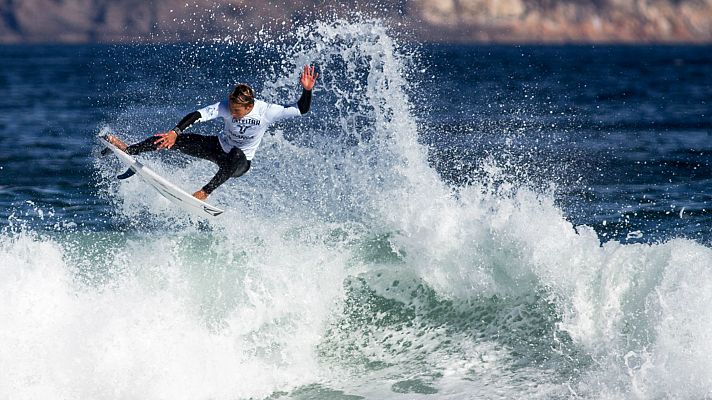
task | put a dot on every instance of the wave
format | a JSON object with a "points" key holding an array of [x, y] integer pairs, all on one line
{"points": [[345, 266]]}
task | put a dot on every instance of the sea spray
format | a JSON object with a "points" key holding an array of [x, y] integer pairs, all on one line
{"points": [[345, 266]]}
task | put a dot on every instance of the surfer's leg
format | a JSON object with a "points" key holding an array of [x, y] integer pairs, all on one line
{"points": [[242, 167], [230, 164], [142, 147], [200, 146]]}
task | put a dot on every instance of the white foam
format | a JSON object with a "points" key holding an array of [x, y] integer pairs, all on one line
{"points": [[147, 333], [290, 238]]}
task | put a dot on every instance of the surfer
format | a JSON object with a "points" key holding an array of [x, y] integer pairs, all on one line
{"points": [[246, 120]]}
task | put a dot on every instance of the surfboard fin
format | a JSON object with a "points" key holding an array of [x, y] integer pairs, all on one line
{"points": [[129, 173]]}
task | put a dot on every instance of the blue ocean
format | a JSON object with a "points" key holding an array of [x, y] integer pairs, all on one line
{"points": [[448, 222]]}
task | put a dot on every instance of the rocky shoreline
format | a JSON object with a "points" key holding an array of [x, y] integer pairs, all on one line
{"points": [[481, 21]]}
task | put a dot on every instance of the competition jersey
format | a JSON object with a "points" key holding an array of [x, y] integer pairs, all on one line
{"points": [[246, 133]]}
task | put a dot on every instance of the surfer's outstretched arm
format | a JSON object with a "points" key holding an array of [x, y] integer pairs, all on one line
{"points": [[304, 102], [277, 112], [308, 80]]}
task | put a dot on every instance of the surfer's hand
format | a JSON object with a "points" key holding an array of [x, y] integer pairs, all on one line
{"points": [[200, 195], [308, 79], [166, 140]]}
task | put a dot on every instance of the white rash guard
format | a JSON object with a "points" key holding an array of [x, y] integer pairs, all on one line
{"points": [[246, 133]]}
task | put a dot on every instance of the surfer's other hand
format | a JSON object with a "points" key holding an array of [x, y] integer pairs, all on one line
{"points": [[166, 140], [308, 78]]}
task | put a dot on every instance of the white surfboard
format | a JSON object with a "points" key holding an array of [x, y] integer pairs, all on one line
{"points": [[170, 191]]}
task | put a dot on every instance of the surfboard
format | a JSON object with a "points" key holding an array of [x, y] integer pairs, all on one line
{"points": [[170, 191]]}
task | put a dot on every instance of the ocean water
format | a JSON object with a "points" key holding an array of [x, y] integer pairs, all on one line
{"points": [[448, 222]]}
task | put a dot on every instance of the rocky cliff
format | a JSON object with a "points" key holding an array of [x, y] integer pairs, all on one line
{"points": [[518, 21]]}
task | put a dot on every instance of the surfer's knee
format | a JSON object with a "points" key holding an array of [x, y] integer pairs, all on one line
{"points": [[239, 164], [242, 168]]}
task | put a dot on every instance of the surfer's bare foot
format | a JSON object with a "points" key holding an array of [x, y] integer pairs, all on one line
{"points": [[116, 142], [200, 195]]}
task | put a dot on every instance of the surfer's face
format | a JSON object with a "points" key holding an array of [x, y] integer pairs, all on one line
{"points": [[240, 110]]}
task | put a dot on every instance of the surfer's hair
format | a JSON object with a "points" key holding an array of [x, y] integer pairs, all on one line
{"points": [[242, 95]]}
